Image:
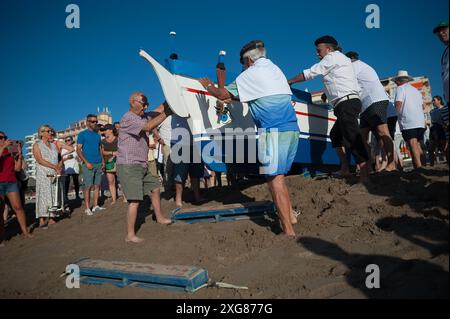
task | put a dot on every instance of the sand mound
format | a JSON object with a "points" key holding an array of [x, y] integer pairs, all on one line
{"points": [[401, 224]]}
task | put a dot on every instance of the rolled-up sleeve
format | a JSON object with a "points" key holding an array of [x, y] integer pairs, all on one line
{"points": [[321, 68], [132, 125]]}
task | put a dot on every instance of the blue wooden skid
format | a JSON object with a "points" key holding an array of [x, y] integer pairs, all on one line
{"points": [[224, 213], [121, 274], [122, 284]]}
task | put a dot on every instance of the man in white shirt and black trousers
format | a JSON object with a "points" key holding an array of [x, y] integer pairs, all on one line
{"points": [[342, 90], [375, 102]]}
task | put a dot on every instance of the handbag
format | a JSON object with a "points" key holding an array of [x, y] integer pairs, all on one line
{"points": [[110, 166]]}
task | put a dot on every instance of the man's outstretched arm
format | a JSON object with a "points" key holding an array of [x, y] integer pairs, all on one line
{"points": [[219, 93], [299, 78]]}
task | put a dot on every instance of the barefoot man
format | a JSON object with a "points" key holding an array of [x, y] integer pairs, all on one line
{"points": [[264, 86], [132, 165]]}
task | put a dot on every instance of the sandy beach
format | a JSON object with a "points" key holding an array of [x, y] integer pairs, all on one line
{"points": [[400, 224]]}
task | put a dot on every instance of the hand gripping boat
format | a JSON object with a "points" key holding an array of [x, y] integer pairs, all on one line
{"points": [[229, 146]]}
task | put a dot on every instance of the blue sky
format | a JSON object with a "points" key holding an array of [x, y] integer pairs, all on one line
{"points": [[51, 74]]}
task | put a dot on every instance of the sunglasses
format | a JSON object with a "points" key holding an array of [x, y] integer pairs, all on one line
{"points": [[141, 102], [68, 140], [95, 122], [3, 137]]}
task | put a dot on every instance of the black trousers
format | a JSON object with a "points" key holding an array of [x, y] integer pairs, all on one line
{"points": [[346, 132], [76, 184]]}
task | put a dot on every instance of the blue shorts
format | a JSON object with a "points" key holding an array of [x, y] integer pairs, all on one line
{"points": [[184, 165], [91, 176], [8, 187], [181, 170], [276, 152]]}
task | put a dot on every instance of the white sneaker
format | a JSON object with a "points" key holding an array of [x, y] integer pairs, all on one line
{"points": [[97, 208], [88, 212]]}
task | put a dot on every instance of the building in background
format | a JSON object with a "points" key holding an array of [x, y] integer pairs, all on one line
{"points": [[74, 129], [105, 117], [29, 158]]}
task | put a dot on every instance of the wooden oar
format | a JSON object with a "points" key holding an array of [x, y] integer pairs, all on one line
{"points": [[221, 75]]}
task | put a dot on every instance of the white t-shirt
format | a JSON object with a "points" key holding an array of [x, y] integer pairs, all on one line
{"points": [[372, 90], [338, 76], [411, 114], [71, 166], [165, 130], [262, 79]]}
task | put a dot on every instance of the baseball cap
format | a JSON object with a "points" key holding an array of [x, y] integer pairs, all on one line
{"points": [[443, 24]]}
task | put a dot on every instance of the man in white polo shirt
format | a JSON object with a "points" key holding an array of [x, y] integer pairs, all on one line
{"points": [[409, 105], [342, 90], [375, 103]]}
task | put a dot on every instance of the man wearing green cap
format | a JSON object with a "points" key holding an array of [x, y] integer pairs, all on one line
{"points": [[442, 33]]}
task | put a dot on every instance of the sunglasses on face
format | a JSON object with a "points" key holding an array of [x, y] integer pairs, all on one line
{"points": [[68, 140], [94, 122], [142, 102], [3, 137]]}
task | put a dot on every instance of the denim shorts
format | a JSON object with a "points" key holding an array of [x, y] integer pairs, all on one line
{"points": [[8, 187], [91, 176]]}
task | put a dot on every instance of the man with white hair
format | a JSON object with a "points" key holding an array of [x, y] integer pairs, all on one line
{"points": [[411, 119], [264, 87], [342, 90]]}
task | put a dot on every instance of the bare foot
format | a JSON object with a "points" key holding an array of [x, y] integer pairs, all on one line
{"points": [[51, 222], [164, 221], [27, 236], [290, 235], [134, 239], [293, 219]]}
